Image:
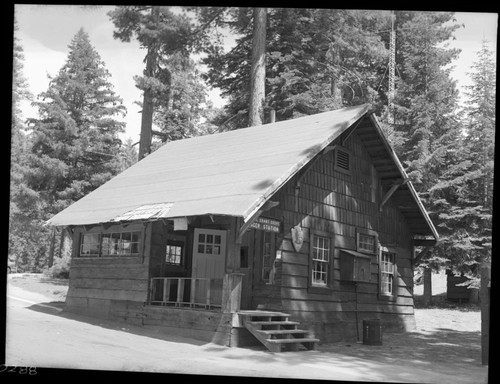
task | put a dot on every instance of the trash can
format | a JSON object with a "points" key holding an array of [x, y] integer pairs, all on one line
{"points": [[372, 332]]}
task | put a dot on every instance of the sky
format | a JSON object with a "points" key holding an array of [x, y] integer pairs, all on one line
{"points": [[45, 31]]}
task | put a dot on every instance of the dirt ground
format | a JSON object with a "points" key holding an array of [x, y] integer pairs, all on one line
{"points": [[445, 347]]}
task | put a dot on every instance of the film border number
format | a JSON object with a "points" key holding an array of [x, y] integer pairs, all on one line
{"points": [[21, 370]]}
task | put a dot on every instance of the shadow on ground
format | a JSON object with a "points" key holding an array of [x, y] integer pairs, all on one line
{"points": [[56, 308], [423, 347], [441, 355]]}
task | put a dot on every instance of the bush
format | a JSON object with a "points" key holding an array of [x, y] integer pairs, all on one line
{"points": [[60, 268]]}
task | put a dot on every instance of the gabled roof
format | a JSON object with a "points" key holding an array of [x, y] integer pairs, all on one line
{"points": [[230, 173]]}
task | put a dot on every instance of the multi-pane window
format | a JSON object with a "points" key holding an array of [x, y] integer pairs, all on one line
{"points": [[387, 272], [209, 244], [320, 249], [110, 244], [367, 241], [173, 254]]}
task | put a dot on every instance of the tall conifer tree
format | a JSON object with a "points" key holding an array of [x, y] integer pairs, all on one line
{"points": [[316, 60], [172, 93], [27, 243], [464, 194], [75, 143]]}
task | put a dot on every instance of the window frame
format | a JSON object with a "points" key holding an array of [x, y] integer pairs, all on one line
{"points": [[100, 232], [314, 287], [205, 232], [383, 295], [370, 233], [177, 244], [81, 244]]}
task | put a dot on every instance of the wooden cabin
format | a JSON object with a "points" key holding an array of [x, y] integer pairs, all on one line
{"points": [[299, 229], [454, 290]]}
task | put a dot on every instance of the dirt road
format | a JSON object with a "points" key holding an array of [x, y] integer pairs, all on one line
{"points": [[39, 334]]}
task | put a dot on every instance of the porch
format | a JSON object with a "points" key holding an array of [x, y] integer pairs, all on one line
{"points": [[210, 309], [186, 292]]}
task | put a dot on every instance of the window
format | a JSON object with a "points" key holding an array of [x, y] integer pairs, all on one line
{"points": [[89, 246], [320, 250], [342, 160], [366, 241], [387, 271], [209, 244], [110, 244], [173, 254]]}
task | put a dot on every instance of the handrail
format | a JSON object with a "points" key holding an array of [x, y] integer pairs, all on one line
{"points": [[199, 292]]}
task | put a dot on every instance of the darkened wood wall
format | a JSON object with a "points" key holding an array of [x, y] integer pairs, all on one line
{"points": [[340, 204]]}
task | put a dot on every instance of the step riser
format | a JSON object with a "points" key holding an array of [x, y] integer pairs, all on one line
{"points": [[277, 333]]}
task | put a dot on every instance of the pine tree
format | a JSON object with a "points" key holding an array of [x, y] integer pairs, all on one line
{"points": [[427, 98], [173, 93], [75, 142], [128, 155], [181, 105], [27, 243], [425, 112], [464, 193], [316, 60]]}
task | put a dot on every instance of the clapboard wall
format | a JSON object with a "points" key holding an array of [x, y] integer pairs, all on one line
{"points": [[341, 204]]}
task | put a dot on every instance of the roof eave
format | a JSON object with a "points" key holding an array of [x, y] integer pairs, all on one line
{"points": [[404, 175]]}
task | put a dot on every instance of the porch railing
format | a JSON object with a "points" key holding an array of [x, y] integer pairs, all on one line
{"points": [[192, 292]]}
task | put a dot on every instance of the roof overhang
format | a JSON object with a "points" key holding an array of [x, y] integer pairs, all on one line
{"points": [[392, 174], [236, 173]]}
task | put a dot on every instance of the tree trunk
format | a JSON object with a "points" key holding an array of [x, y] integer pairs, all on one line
{"points": [[485, 311], [473, 295], [146, 124], [147, 102], [258, 70], [427, 297]]}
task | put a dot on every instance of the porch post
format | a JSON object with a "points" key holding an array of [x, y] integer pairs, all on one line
{"points": [[231, 286], [233, 246], [231, 292]]}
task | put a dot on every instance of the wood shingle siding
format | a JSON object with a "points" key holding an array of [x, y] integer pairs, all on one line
{"points": [[341, 204]]}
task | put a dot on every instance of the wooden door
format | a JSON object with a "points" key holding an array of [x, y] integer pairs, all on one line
{"points": [[258, 254], [209, 262], [209, 253]]}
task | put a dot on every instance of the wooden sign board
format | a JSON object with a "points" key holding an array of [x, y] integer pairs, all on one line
{"points": [[267, 225]]}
